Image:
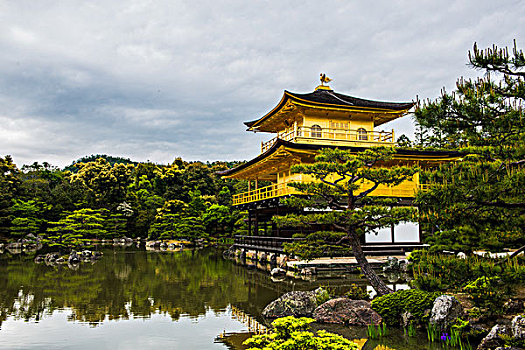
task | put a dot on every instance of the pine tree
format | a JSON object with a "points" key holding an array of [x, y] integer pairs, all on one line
{"points": [[479, 201], [344, 182]]}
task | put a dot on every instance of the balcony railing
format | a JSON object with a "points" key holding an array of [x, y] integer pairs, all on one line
{"points": [[406, 189], [272, 191], [304, 133]]}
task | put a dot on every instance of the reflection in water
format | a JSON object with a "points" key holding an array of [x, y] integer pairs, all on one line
{"points": [[180, 300]]}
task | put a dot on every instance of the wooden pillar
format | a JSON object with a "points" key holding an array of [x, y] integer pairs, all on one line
{"points": [[249, 185], [256, 184], [278, 229], [249, 222], [256, 224], [393, 233]]}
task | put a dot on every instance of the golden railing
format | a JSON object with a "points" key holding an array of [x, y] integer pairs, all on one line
{"points": [[272, 191], [329, 134], [406, 189]]}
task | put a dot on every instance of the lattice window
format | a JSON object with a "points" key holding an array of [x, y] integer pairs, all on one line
{"points": [[362, 134], [317, 131]]}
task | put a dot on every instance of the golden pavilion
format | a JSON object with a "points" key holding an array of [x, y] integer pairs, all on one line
{"points": [[302, 124]]}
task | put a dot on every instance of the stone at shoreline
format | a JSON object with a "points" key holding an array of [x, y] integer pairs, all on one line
{"points": [[446, 310], [347, 311], [73, 258], [513, 306], [518, 327], [296, 303], [493, 339], [392, 264], [277, 272]]}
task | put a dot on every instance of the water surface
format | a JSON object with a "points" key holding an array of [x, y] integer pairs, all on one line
{"points": [[137, 299]]}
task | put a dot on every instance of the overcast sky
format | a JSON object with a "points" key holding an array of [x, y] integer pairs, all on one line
{"points": [[154, 80]]}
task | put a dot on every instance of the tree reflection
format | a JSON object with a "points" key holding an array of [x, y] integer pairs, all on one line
{"points": [[120, 286]]}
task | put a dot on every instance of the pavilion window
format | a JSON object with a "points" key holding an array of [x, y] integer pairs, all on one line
{"points": [[317, 131], [362, 134]]}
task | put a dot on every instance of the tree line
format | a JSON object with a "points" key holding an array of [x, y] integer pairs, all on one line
{"points": [[102, 197]]}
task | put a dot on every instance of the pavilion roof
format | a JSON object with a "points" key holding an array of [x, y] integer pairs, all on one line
{"points": [[325, 98]]}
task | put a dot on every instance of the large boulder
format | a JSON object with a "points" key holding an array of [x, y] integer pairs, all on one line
{"points": [[493, 339], [445, 311], [518, 327], [347, 311], [297, 304]]}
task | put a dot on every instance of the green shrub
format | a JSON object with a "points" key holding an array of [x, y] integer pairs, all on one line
{"points": [[486, 292], [357, 293], [322, 296], [446, 272], [290, 333], [415, 301]]}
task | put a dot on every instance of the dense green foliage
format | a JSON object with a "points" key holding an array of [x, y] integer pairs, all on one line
{"points": [[415, 301], [486, 281], [104, 199], [447, 272], [352, 212], [478, 201], [290, 333]]}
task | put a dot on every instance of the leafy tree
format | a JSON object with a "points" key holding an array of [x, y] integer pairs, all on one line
{"points": [[167, 220], [27, 217], [105, 185], [219, 219], [76, 228], [9, 189], [340, 176], [478, 201]]}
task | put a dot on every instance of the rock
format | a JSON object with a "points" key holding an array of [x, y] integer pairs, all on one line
{"points": [[461, 255], [508, 348], [293, 304], [513, 306], [31, 237], [308, 271], [39, 259], [96, 254], [446, 310], [277, 272], [163, 245], [14, 245], [60, 261], [87, 253], [407, 318], [273, 260], [392, 264], [73, 258], [518, 327], [403, 265], [51, 257], [347, 311], [493, 339]]}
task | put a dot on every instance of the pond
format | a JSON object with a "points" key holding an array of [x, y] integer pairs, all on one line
{"points": [[138, 299]]}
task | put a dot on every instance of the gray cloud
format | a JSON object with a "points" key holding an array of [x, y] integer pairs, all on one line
{"points": [[160, 79]]}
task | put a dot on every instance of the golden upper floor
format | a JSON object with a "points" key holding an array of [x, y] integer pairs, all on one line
{"points": [[325, 117]]}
